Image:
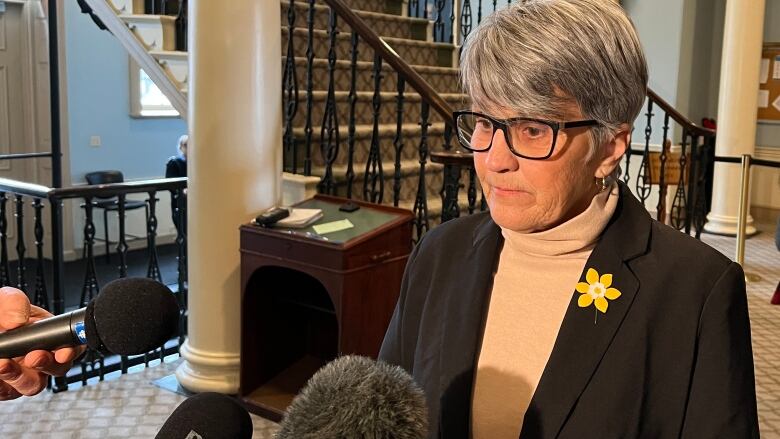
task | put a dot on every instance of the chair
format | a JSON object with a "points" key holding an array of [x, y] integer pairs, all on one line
{"points": [[109, 204]]}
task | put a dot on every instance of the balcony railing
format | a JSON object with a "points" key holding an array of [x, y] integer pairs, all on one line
{"points": [[42, 275]]}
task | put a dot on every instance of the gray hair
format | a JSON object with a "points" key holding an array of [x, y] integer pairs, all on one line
{"points": [[538, 57], [183, 139]]}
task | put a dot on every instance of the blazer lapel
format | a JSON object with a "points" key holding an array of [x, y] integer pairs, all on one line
{"points": [[463, 327], [586, 334]]}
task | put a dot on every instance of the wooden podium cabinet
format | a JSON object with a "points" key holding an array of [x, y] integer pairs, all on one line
{"points": [[307, 298]]}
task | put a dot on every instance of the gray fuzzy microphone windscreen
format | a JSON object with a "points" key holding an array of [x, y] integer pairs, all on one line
{"points": [[131, 316], [358, 398]]}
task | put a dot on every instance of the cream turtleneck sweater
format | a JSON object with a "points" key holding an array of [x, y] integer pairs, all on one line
{"points": [[532, 288]]}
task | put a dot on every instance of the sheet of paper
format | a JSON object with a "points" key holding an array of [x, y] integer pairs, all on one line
{"points": [[763, 98], [776, 70], [764, 70], [333, 226]]}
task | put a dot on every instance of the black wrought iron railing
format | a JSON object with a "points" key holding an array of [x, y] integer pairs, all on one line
{"points": [[43, 276], [357, 111]]}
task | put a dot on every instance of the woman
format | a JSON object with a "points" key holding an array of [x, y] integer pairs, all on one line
{"points": [[567, 312]]}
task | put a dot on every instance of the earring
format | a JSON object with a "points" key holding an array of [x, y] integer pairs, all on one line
{"points": [[601, 183]]}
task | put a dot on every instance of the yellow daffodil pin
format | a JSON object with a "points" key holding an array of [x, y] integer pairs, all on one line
{"points": [[596, 291]]}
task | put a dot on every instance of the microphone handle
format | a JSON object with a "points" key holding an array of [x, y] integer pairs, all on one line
{"points": [[49, 334]]}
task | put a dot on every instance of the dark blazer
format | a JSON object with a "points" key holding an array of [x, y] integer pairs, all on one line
{"points": [[671, 358], [177, 167]]}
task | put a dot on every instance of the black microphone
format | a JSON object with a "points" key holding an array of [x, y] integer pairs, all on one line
{"points": [[129, 316], [356, 397], [207, 416]]}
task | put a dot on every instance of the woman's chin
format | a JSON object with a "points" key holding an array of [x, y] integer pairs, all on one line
{"points": [[515, 218]]}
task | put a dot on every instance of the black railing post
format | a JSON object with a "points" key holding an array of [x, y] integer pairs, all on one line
{"points": [[153, 270], [449, 195], [352, 101], [679, 212], [308, 130], [421, 201], [374, 177], [329, 132], [693, 181], [472, 191], [41, 297], [121, 247], [181, 259], [58, 273], [5, 273], [661, 205], [643, 177], [398, 143], [91, 286], [54, 94], [21, 269], [290, 87]]}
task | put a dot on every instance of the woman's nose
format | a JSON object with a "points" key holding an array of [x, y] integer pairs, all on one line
{"points": [[499, 157]]}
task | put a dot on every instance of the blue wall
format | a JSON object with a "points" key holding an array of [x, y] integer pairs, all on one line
{"points": [[98, 105]]}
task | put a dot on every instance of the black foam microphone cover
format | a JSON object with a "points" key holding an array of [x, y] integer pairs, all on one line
{"points": [[207, 416], [131, 316], [358, 398]]}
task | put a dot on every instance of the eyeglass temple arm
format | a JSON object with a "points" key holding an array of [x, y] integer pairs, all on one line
{"points": [[579, 123]]}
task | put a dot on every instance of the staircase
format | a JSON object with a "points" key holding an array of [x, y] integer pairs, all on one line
{"points": [[151, 39]]}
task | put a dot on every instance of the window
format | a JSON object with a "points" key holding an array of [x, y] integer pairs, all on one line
{"points": [[146, 100]]}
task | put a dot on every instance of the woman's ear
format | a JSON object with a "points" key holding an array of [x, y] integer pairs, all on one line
{"points": [[613, 151]]}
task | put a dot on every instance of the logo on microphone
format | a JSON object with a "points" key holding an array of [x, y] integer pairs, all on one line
{"points": [[80, 332], [193, 435]]}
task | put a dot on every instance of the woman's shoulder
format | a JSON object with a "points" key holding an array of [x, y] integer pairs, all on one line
{"points": [[176, 159], [679, 263], [675, 245]]}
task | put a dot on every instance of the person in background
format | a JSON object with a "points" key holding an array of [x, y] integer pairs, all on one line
{"points": [[27, 376], [177, 167]]}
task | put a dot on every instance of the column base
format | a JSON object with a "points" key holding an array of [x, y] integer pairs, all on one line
{"points": [[208, 372], [727, 225], [296, 188]]}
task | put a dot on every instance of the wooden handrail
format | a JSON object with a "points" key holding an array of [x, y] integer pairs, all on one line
{"points": [[686, 123], [418, 83], [98, 190], [109, 190], [457, 158]]}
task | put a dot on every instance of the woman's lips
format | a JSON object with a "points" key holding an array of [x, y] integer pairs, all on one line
{"points": [[502, 191]]}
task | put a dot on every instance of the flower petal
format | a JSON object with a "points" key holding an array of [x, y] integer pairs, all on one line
{"points": [[592, 276], [582, 287], [601, 304], [585, 300], [606, 280], [612, 293]]}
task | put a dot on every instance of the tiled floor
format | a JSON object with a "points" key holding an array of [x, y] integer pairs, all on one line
{"points": [[131, 407], [127, 407]]}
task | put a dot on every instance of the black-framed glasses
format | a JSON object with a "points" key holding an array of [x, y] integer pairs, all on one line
{"points": [[528, 138]]}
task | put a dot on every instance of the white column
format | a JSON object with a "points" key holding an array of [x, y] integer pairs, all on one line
{"points": [[234, 168], [737, 109]]}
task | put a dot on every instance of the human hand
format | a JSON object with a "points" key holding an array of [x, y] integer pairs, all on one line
{"points": [[27, 375]]}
